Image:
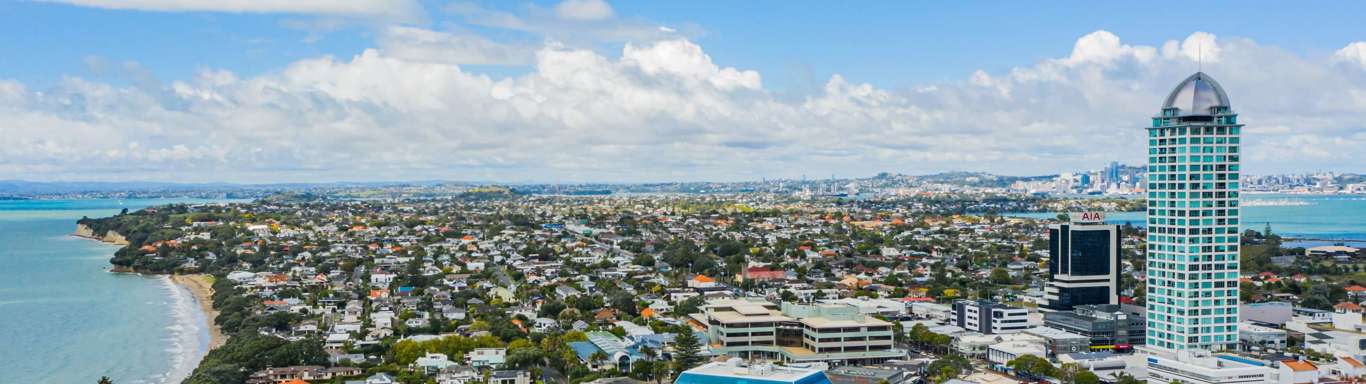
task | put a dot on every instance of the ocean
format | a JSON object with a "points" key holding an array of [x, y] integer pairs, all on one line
{"points": [[66, 319], [1325, 218]]}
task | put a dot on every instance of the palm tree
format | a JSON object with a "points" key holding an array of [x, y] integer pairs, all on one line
{"points": [[597, 358]]}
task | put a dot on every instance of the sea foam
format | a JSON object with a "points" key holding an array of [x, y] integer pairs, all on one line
{"points": [[188, 335]]}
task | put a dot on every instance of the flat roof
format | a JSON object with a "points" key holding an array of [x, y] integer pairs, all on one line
{"points": [[770, 373], [825, 322], [729, 317], [750, 309]]}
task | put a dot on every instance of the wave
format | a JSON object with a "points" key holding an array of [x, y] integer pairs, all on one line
{"points": [[187, 335]]}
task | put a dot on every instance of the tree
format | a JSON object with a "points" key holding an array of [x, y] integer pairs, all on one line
{"points": [[947, 367], [686, 351], [597, 358], [1032, 366], [105, 379], [1125, 378], [1086, 377], [1000, 276]]}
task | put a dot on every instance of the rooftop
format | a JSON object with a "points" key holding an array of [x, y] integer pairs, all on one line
{"points": [[733, 372], [1196, 95]]}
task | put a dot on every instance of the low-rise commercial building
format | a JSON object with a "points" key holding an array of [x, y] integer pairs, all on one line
{"points": [[989, 317], [836, 334], [1196, 366], [1253, 337], [1107, 326], [1060, 342]]}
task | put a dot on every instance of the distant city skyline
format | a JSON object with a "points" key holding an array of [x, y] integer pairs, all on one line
{"points": [[591, 91]]}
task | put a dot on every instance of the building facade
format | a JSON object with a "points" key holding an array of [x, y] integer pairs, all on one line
{"points": [[1083, 265], [1192, 193], [1200, 367], [1108, 326], [989, 317], [836, 334]]}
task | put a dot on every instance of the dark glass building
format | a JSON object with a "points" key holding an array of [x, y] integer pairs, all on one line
{"points": [[1083, 265], [1106, 325]]}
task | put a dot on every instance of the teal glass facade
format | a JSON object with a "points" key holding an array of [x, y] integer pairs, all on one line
{"points": [[1193, 211]]}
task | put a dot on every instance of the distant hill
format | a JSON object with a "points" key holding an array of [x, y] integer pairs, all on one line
{"points": [[979, 179]]}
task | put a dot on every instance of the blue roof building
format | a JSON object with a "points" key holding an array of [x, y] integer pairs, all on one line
{"points": [[733, 372]]}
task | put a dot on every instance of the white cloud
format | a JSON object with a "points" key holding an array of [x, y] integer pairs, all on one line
{"points": [[1354, 53], [583, 10], [395, 10], [566, 23], [419, 44], [662, 110]]}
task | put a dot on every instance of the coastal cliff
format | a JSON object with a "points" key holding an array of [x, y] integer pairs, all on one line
{"points": [[110, 237]]}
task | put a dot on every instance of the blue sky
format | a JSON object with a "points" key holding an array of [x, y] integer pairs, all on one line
{"points": [[775, 73], [888, 44]]}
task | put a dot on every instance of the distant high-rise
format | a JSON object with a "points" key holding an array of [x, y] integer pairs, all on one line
{"points": [[1192, 191], [1083, 264]]}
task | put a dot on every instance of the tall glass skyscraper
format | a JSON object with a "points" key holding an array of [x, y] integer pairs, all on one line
{"points": [[1192, 252]]}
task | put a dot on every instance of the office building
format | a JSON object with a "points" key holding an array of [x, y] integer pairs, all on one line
{"points": [[1108, 326], [836, 334], [1060, 342], [989, 317], [1083, 263], [1192, 193]]}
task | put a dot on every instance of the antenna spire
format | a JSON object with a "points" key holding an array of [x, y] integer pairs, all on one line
{"points": [[1200, 58]]}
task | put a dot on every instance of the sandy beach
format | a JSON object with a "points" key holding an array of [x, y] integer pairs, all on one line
{"points": [[202, 287]]}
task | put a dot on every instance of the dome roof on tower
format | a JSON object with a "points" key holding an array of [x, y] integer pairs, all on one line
{"points": [[1196, 95]]}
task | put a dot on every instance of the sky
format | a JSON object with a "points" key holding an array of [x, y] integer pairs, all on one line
{"points": [[590, 91]]}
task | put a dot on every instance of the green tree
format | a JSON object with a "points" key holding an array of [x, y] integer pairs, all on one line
{"points": [[1086, 377], [1125, 378], [105, 379], [947, 367], [686, 351], [1000, 276], [1031, 366]]}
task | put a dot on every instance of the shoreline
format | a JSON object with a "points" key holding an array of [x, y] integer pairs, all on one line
{"points": [[201, 286]]}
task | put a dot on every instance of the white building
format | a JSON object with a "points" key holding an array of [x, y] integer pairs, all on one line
{"points": [[433, 362], [991, 318], [486, 357], [1196, 366], [1002, 353]]}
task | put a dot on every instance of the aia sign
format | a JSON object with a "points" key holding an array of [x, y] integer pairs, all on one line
{"points": [[1092, 217]]}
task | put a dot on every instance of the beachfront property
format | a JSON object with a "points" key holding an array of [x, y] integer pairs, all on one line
{"points": [[836, 334]]}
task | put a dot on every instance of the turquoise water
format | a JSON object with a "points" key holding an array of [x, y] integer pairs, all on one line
{"points": [[65, 319], [1329, 217]]}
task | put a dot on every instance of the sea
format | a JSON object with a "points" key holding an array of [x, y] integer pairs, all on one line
{"points": [[65, 318], [1313, 219]]}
